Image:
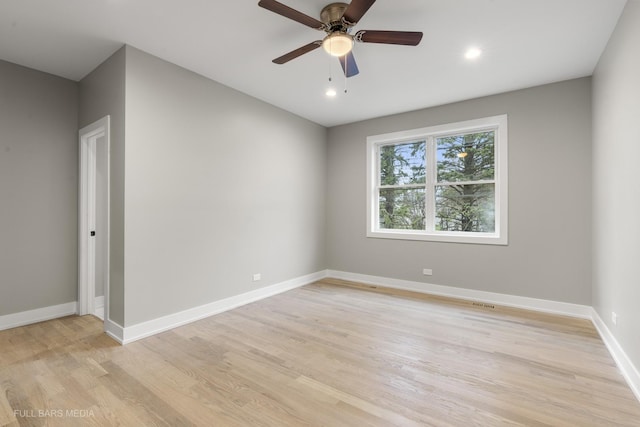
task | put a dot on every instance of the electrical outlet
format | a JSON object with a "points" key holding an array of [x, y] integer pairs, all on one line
{"points": [[427, 271], [257, 277], [614, 317]]}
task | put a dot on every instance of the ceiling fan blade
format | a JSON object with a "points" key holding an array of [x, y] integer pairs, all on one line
{"points": [[407, 38], [349, 65], [298, 52], [290, 13], [356, 10]]}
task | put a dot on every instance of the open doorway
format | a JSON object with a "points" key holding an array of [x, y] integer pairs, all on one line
{"points": [[93, 220]]}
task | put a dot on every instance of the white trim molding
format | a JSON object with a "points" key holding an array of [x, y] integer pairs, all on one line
{"points": [[125, 335], [114, 330], [88, 157], [29, 317], [541, 305], [627, 368], [145, 329], [428, 138], [98, 307]]}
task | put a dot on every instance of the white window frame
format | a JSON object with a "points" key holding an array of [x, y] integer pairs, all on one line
{"points": [[499, 237]]}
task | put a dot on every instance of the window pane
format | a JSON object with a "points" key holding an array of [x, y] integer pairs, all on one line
{"points": [[402, 209], [469, 207], [402, 163], [468, 157]]}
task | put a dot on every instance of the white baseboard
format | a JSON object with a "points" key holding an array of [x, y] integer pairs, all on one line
{"points": [[161, 324], [546, 306], [132, 333], [628, 369], [114, 330], [99, 307], [23, 318]]}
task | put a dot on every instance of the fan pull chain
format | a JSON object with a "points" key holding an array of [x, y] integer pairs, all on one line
{"points": [[330, 92], [346, 68]]}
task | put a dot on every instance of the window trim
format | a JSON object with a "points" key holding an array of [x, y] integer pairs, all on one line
{"points": [[499, 237]]}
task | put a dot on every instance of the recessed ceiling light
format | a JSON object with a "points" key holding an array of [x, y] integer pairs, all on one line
{"points": [[331, 92], [472, 53]]}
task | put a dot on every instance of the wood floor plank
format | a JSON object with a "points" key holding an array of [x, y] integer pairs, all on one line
{"points": [[150, 407], [333, 353]]}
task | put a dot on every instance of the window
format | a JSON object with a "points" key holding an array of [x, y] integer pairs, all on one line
{"points": [[442, 183]]}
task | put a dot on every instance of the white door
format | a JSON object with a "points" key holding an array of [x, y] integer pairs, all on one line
{"points": [[93, 224]]}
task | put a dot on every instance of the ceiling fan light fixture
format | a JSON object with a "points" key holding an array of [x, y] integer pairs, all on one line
{"points": [[338, 43]]}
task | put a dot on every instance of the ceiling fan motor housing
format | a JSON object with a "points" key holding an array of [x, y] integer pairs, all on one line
{"points": [[331, 15]]}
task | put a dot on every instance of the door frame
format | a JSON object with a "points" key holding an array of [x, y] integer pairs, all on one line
{"points": [[88, 137]]}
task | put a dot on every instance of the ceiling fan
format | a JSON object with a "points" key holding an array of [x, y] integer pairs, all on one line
{"points": [[337, 20]]}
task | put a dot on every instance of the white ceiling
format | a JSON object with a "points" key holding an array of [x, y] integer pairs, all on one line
{"points": [[525, 43]]}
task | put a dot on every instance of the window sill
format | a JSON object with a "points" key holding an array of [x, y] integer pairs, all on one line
{"points": [[484, 239]]}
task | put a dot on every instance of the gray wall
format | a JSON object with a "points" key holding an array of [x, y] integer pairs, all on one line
{"points": [[218, 186], [102, 93], [616, 199], [38, 189], [548, 255]]}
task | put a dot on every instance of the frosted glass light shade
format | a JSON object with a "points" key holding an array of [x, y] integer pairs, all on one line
{"points": [[338, 44]]}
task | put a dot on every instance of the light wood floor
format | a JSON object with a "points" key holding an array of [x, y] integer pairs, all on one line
{"points": [[321, 355]]}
